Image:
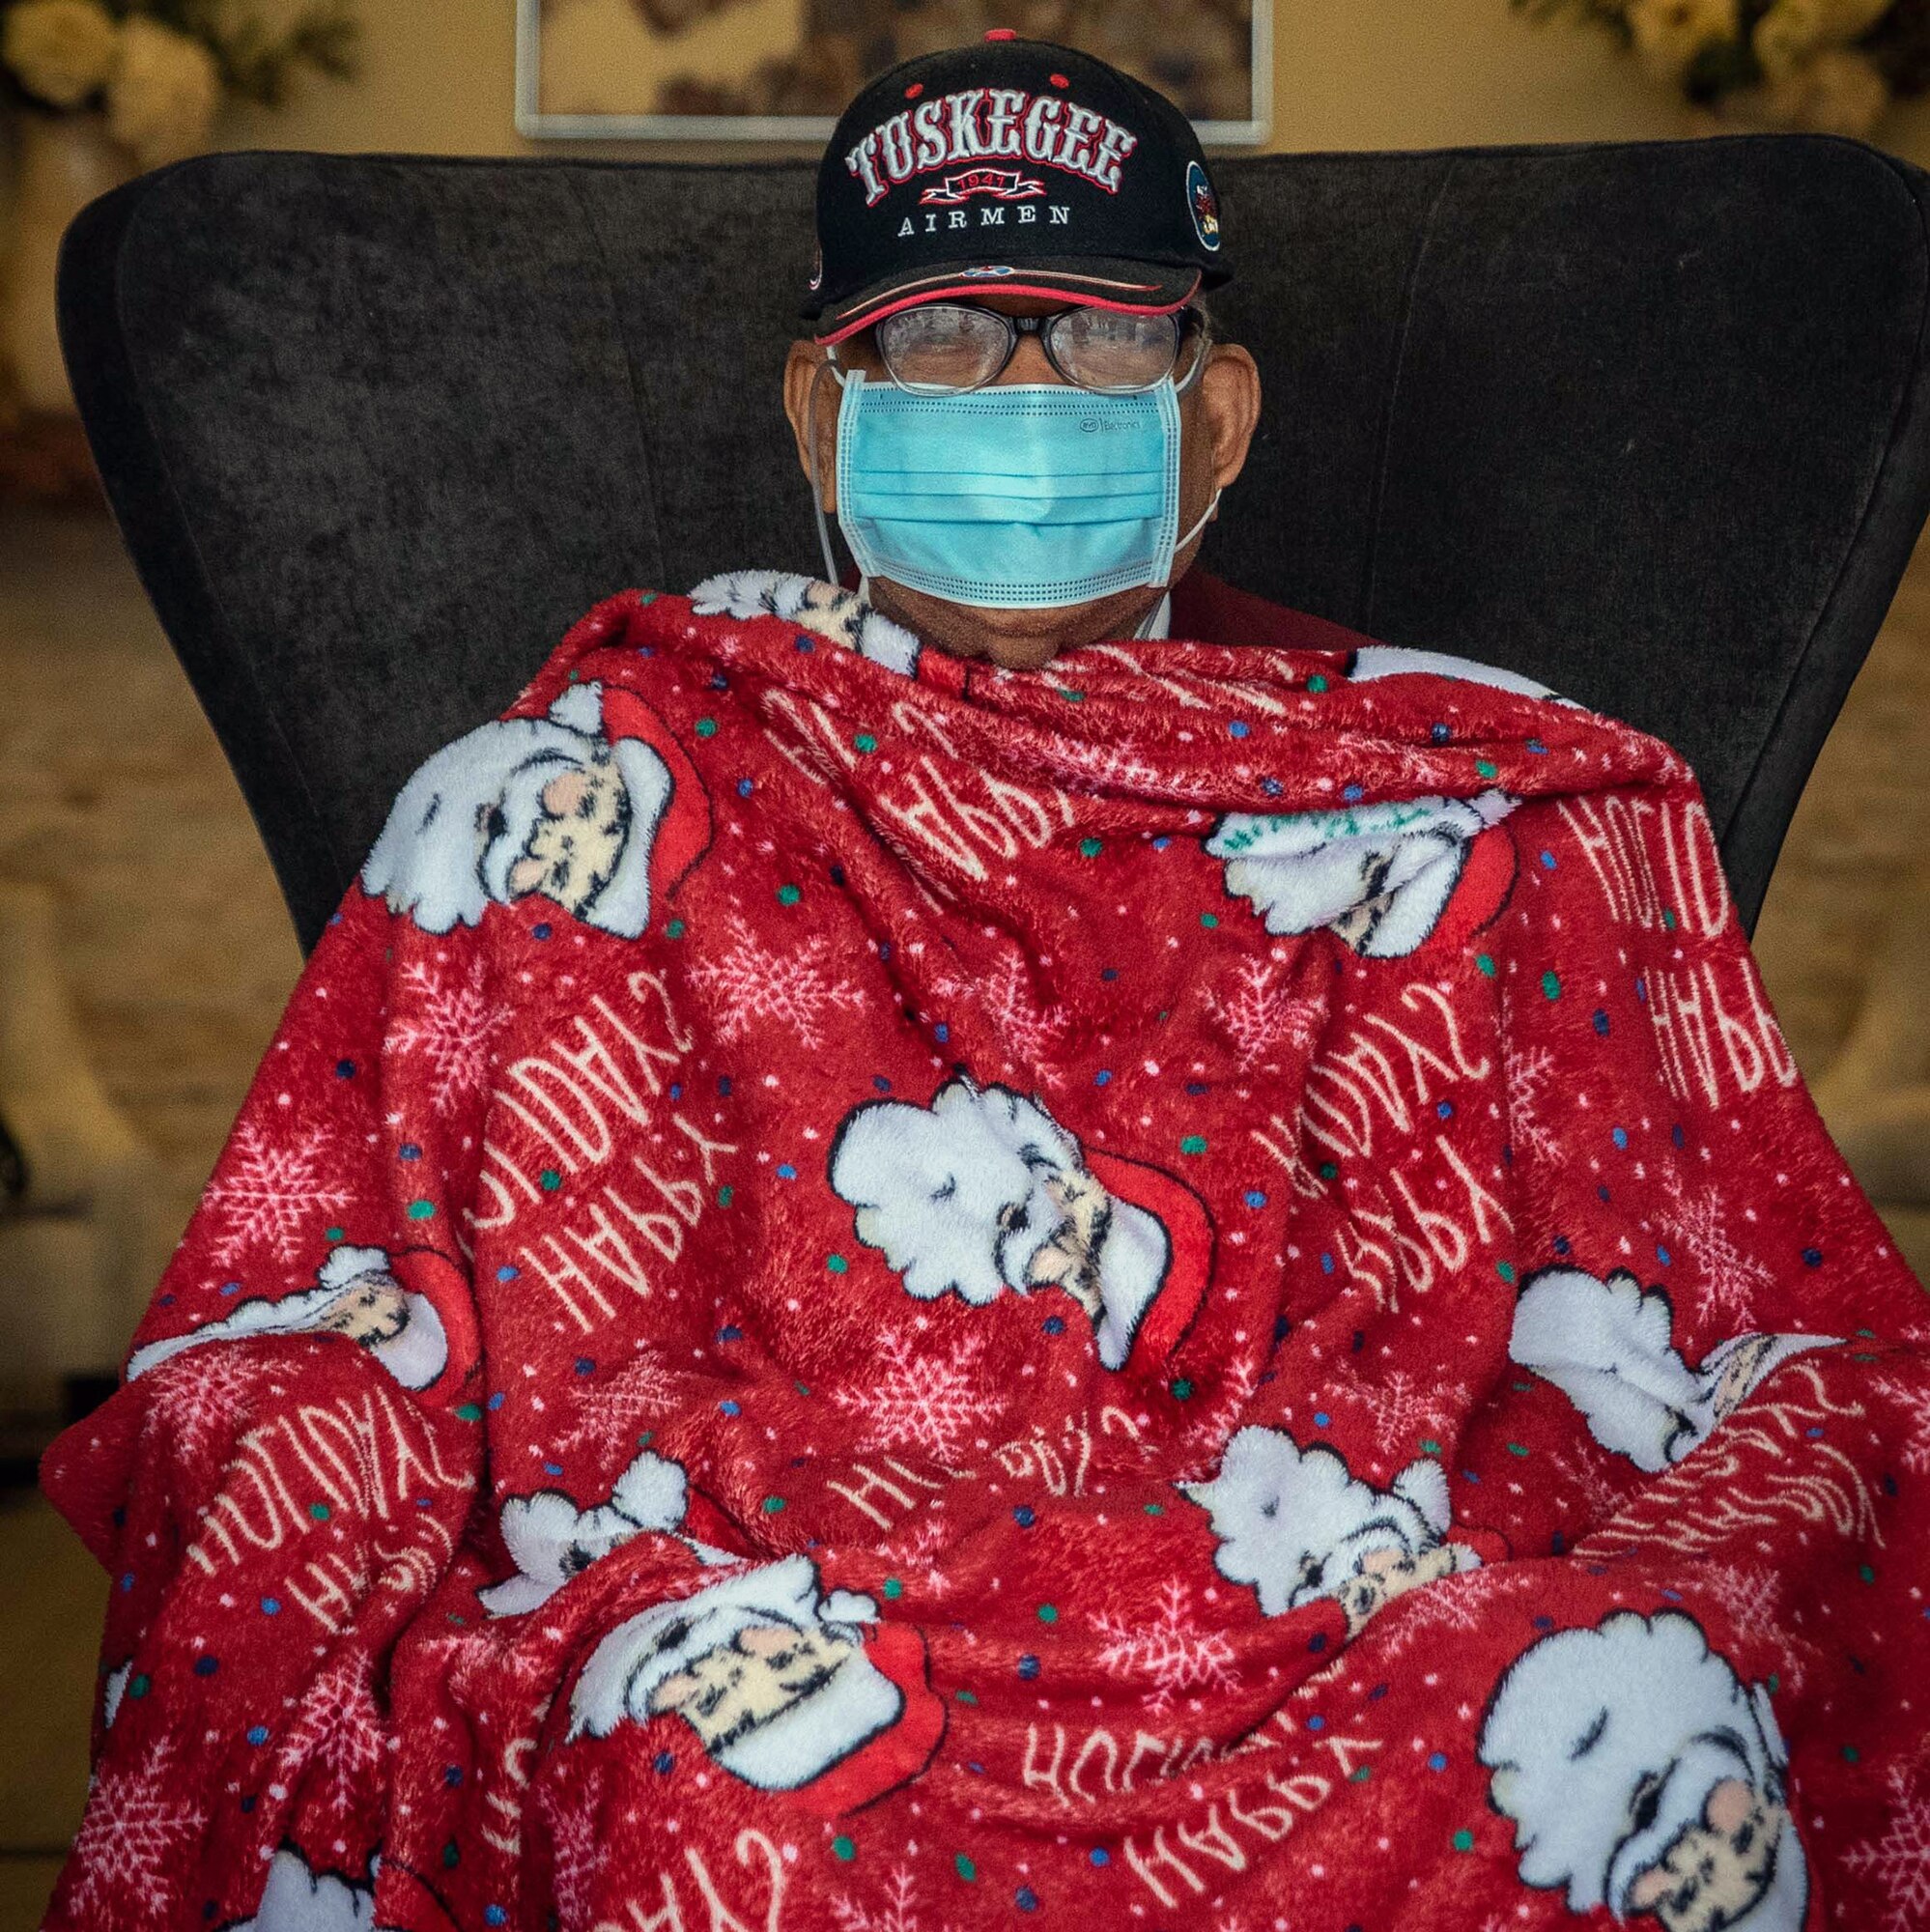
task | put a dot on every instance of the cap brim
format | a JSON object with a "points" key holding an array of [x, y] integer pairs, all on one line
{"points": [[1137, 288]]}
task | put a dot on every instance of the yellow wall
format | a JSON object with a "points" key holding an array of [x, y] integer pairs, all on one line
{"points": [[439, 77]]}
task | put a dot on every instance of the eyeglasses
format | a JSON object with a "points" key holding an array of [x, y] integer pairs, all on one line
{"points": [[944, 348]]}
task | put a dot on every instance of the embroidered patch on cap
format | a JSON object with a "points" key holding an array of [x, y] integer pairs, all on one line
{"points": [[1205, 206]]}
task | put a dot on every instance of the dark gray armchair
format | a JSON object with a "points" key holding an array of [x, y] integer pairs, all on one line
{"points": [[1646, 420]]}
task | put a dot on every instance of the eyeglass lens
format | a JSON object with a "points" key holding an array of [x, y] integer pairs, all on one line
{"points": [[943, 347]]}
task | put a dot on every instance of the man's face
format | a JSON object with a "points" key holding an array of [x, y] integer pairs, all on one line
{"points": [[1217, 415], [734, 1689], [370, 1310]]}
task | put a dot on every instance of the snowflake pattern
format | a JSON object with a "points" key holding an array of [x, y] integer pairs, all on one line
{"points": [[267, 1193], [918, 1399], [577, 1854], [1400, 1407], [1524, 1075], [1261, 1017], [1452, 1607], [1730, 1278], [749, 980], [451, 1026], [1172, 1654], [611, 1412], [1913, 1452], [203, 1397], [1750, 1594], [1898, 1864], [334, 1748], [896, 1914], [1028, 1032], [139, 1821]]}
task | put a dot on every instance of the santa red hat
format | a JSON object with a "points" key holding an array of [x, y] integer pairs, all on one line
{"points": [[1178, 1287]]}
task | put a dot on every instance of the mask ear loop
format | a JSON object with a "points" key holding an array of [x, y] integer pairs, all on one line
{"points": [[810, 457]]}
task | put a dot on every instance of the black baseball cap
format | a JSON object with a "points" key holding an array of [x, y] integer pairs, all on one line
{"points": [[1011, 165]]}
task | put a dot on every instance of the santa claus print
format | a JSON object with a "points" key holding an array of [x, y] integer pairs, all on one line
{"points": [[299, 1899], [1297, 1525], [412, 1312], [787, 1688], [827, 611], [1642, 1776], [551, 1540], [594, 807], [1608, 1346], [1387, 879], [983, 1193]]}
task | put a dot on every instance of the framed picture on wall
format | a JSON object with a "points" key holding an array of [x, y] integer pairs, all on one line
{"points": [[782, 70]]}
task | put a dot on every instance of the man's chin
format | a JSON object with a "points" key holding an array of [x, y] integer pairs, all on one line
{"points": [[1015, 639]]}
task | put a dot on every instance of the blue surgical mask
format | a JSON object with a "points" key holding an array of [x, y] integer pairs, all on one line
{"points": [[1026, 496]]}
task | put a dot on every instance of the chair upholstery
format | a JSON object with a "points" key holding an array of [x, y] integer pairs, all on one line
{"points": [[1645, 421]]}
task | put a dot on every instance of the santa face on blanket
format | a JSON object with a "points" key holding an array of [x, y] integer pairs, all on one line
{"points": [[1643, 1775], [984, 1194], [787, 1688], [592, 805]]}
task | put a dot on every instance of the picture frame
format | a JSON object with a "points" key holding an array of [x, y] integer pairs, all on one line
{"points": [[593, 69]]}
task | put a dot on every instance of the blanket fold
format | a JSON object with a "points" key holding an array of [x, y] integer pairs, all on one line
{"points": [[863, 1292]]}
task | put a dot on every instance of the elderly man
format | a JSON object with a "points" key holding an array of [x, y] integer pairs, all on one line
{"points": [[1013, 402], [942, 1253]]}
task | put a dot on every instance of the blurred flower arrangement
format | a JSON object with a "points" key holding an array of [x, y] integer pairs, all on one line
{"points": [[1827, 66], [160, 69]]}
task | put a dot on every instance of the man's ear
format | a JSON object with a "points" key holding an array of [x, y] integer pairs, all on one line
{"points": [[1229, 409], [804, 368]]}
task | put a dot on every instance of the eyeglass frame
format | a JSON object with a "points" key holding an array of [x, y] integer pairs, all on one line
{"points": [[1191, 315]]}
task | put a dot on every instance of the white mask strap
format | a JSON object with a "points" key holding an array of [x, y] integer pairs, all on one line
{"points": [[1204, 518], [810, 456]]}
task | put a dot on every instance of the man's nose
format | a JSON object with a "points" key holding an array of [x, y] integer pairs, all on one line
{"points": [[1029, 364]]}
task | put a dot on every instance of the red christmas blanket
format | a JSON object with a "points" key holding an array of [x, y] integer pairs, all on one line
{"points": [[863, 1294]]}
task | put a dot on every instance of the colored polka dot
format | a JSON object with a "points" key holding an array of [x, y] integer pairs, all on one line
{"points": [[843, 1849], [345, 1070], [451, 1856], [271, 1607], [1436, 1760], [1028, 1668], [494, 1915], [550, 1180], [1254, 1198], [140, 1686], [506, 1272], [1444, 1110], [1070, 696], [1048, 1613], [1238, 727], [541, 930], [1317, 684], [789, 895], [1518, 1449], [1321, 1419], [231, 1288], [802, 645], [1023, 1514], [837, 1263], [1464, 1842], [706, 727], [1054, 1324], [865, 742], [1193, 1143], [1506, 1270], [1183, 1389], [1619, 1137], [729, 1408], [1548, 862], [1090, 849], [1663, 1255], [1352, 794], [1102, 1078], [675, 929], [1155, 1509], [662, 1764], [1599, 1020], [1430, 1446], [1551, 985], [1867, 1573], [319, 1510], [745, 787], [1099, 1856], [422, 1210], [1487, 768], [1668, 919], [1272, 787], [1317, 1722], [725, 1195], [1812, 1258], [1486, 962], [964, 1867], [409, 1151], [468, 1412], [774, 1505], [893, 1587], [452, 1775], [1025, 1899], [1209, 920], [786, 1172], [258, 1735], [207, 1666]]}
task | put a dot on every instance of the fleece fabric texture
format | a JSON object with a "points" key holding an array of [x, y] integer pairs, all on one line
{"points": [[863, 1294], [1642, 420]]}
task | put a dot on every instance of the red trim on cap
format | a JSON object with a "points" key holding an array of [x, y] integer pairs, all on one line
{"points": [[1000, 34], [978, 285]]}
